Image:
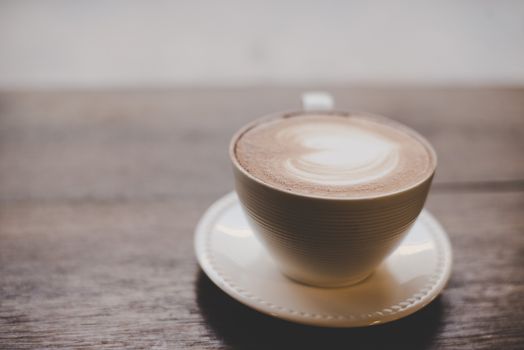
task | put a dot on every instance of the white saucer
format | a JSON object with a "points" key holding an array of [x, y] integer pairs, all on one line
{"points": [[411, 277]]}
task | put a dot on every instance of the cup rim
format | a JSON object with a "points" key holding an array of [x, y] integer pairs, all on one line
{"points": [[366, 115]]}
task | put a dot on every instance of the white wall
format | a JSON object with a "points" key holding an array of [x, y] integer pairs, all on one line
{"points": [[135, 43]]}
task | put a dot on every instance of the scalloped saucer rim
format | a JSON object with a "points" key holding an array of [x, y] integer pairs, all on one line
{"points": [[409, 278]]}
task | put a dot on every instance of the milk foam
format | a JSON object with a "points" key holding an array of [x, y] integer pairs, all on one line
{"points": [[333, 155], [337, 155]]}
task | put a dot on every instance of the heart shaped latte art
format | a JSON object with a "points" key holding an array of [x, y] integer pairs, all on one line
{"points": [[336, 155]]}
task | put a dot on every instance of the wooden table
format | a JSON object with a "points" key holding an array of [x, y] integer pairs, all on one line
{"points": [[100, 193]]}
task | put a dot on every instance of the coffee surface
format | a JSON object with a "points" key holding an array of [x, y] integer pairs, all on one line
{"points": [[334, 155]]}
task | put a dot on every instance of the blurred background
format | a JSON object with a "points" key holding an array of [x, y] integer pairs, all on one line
{"points": [[132, 43]]}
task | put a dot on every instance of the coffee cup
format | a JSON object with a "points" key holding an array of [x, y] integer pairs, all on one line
{"points": [[368, 180]]}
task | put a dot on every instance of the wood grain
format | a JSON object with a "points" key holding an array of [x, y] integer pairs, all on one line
{"points": [[100, 193]]}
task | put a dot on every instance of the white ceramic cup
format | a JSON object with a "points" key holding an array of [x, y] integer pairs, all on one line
{"points": [[321, 241]]}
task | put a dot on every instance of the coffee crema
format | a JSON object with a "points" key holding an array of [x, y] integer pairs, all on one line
{"points": [[335, 155]]}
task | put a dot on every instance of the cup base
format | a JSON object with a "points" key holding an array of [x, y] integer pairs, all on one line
{"points": [[335, 284]]}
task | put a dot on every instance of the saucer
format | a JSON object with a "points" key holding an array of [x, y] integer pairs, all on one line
{"points": [[410, 278]]}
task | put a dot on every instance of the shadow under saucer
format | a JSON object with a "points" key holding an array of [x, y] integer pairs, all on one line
{"points": [[241, 327]]}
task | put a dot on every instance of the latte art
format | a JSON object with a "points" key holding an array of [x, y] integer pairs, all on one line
{"points": [[334, 155]]}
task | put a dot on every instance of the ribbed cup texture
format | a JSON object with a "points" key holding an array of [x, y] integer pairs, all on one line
{"points": [[324, 241]]}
